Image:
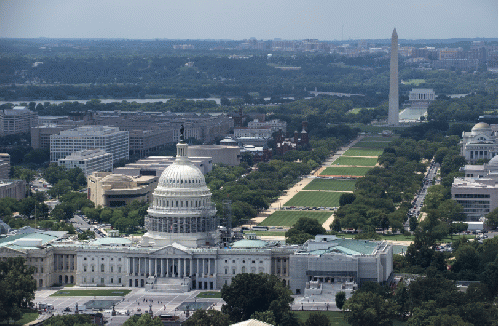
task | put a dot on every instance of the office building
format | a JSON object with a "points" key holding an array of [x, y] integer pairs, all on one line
{"points": [[477, 191], [109, 139], [17, 120], [89, 160], [4, 166], [13, 189], [220, 154]]}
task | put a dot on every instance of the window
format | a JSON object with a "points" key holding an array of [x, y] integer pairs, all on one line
{"points": [[234, 271], [226, 261], [119, 269], [226, 271], [92, 280], [102, 268], [119, 280], [84, 258], [84, 280], [112, 269], [244, 269], [244, 261], [84, 268], [112, 280], [102, 280], [41, 269], [92, 269]]}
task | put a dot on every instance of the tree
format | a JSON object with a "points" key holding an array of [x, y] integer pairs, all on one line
{"points": [[207, 318], [143, 320], [340, 299], [249, 293], [369, 309], [346, 198], [17, 287], [491, 219], [265, 316], [317, 319], [73, 320]]}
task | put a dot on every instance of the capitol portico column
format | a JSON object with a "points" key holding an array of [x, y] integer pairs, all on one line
{"points": [[167, 267], [197, 267], [185, 267], [209, 266], [161, 267]]}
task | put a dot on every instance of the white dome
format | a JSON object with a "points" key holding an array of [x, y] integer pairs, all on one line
{"points": [[181, 176], [181, 202], [480, 126]]}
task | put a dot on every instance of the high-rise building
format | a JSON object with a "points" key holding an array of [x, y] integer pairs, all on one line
{"points": [[110, 139], [393, 102]]}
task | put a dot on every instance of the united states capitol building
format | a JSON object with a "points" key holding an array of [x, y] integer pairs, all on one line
{"points": [[182, 249]]}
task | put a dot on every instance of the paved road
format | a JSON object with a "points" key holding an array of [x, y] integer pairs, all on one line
{"points": [[427, 182]]}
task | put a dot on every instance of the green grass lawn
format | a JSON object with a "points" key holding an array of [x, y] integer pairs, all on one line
{"points": [[91, 293], [315, 199], [27, 316], [357, 110], [268, 233], [363, 152], [331, 184], [209, 294], [372, 144], [345, 171], [289, 218], [359, 161], [371, 128]]}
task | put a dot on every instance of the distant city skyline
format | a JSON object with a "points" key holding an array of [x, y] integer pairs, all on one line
{"points": [[237, 20]]}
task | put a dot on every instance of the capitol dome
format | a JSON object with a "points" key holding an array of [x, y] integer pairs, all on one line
{"points": [[181, 210]]}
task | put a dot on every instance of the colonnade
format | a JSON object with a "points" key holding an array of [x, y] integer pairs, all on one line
{"points": [[172, 267]]}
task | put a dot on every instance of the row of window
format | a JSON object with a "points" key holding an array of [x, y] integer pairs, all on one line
{"points": [[102, 268], [85, 258], [471, 196], [92, 280], [244, 261]]}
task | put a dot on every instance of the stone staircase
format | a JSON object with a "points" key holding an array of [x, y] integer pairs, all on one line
{"points": [[170, 284]]}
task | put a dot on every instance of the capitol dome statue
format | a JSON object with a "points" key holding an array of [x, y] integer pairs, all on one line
{"points": [[181, 211]]}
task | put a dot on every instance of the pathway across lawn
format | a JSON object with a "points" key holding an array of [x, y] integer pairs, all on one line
{"points": [[331, 184], [289, 218]]}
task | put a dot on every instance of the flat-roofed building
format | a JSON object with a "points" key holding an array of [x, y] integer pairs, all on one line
{"points": [[220, 154], [13, 188], [4, 165], [17, 120], [275, 125], [114, 190], [155, 165], [89, 160], [477, 191], [40, 135], [110, 139], [262, 132], [145, 141]]}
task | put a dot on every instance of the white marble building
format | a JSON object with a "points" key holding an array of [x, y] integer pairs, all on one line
{"points": [[479, 143]]}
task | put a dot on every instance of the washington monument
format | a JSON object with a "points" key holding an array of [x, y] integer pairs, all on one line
{"points": [[393, 102]]}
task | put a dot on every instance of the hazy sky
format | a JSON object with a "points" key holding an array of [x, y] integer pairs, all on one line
{"points": [[240, 19]]}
